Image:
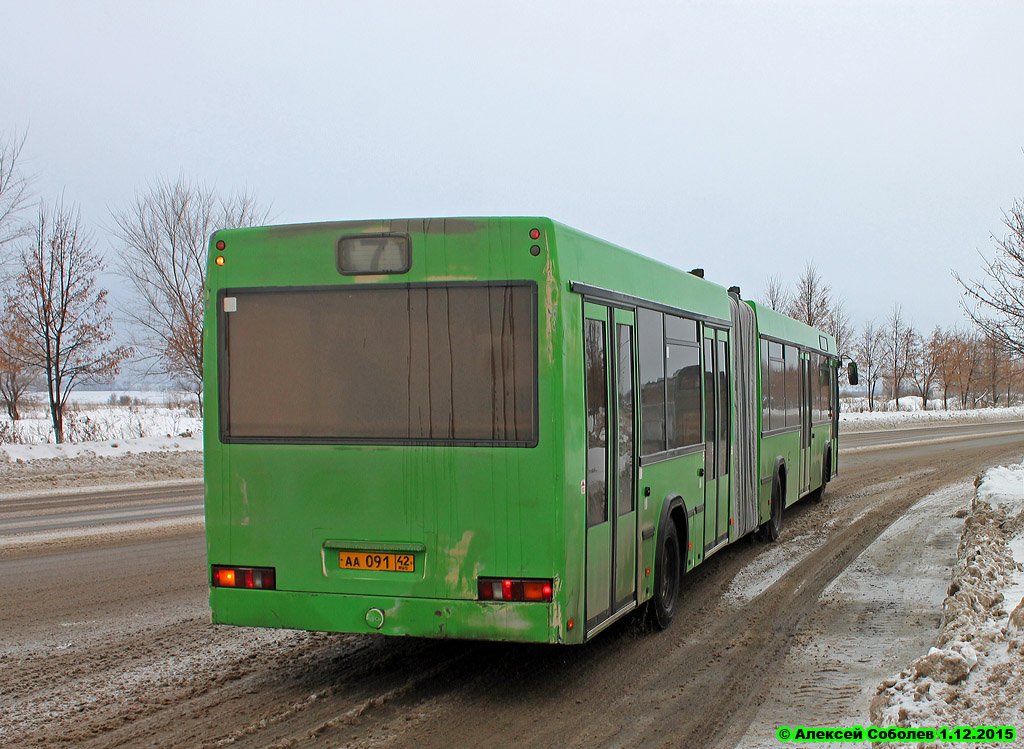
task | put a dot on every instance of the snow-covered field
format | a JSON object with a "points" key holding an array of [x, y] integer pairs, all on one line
{"points": [[103, 423], [975, 673]]}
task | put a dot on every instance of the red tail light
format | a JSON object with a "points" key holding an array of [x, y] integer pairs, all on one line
{"points": [[499, 589], [254, 578]]}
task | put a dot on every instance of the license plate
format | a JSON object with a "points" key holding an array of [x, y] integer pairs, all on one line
{"points": [[366, 560]]}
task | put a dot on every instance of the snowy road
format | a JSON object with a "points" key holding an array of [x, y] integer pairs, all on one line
{"points": [[876, 439], [109, 645], [47, 512]]}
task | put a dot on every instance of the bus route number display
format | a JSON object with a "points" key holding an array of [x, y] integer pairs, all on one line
{"points": [[361, 560]]}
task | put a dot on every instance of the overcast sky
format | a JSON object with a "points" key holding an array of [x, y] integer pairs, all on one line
{"points": [[880, 140]]}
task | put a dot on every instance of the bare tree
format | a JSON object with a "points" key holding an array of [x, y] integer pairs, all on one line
{"points": [[947, 362], [996, 303], [14, 190], [898, 338], [993, 363], [867, 348], [1014, 380], [965, 351], [926, 363], [164, 236], [63, 310], [811, 303], [776, 295], [838, 326], [15, 375]]}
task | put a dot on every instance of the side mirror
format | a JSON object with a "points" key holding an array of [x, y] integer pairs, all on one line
{"points": [[851, 372]]}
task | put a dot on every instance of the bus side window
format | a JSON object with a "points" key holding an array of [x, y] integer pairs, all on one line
{"points": [[650, 329], [765, 402]]}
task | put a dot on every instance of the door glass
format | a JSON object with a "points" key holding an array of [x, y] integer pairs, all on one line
{"points": [[624, 381], [709, 407], [597, 423], [723, 407]]}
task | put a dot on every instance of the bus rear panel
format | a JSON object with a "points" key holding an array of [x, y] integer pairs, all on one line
{"points": [[375, 456]]}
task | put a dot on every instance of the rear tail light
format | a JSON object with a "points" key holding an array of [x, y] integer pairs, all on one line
{"points": [[254, 578], [505, 589]]}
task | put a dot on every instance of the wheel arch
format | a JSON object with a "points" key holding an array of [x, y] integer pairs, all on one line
{"points": [[673, 510], [779, 474]]}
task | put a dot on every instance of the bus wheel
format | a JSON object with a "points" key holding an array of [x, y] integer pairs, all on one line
{"points": [[666, 579], [773, 527], [819, 494]]}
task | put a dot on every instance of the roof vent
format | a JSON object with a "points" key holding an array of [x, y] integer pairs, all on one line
{"points": [[698, 272], [735, 290]]}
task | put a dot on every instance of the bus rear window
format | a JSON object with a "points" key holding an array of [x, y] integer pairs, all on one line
{"points": [[446, 363]]}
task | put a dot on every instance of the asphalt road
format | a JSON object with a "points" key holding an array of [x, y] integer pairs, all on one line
{"points": [[110, 645], [47, 512], [927, 434]]}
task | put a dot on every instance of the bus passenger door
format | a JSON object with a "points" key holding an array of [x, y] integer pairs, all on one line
{"points": [[609, 383], [710, 443], [717, 423], [723, 424], [626, 570], [805, 424]]}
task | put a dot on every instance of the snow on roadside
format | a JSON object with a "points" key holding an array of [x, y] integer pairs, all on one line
{"points": [[103, 431], [975, 673], [102, 449], [853, 421]]}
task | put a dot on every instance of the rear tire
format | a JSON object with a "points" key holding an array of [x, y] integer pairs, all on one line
{"points": [[668, 570], [771, 530], [826, 474]]}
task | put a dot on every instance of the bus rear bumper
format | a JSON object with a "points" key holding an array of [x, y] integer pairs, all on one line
{"points": [[412, 617]]}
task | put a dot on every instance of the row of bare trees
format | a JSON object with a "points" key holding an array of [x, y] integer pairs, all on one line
{"points": [[57, 327], [980, 366], [970, 367]]}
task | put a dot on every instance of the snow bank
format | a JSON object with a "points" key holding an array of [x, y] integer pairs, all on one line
{"points": [[102, 449], [975, 673], [851, 420]]}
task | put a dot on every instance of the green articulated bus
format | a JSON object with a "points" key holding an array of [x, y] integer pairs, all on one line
{"points": [[489, 428]]}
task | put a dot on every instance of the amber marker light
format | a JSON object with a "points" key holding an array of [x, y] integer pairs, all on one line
{"points": [[224, 578], [219, 260]]}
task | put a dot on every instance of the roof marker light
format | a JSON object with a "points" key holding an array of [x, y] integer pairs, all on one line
{"points": [[220, 244], [219, 260], [534, 233]]}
